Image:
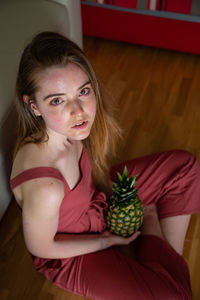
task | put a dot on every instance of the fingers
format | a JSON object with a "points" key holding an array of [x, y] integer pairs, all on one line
{"points": [[119, 240], [128, 240], [134, 236]]}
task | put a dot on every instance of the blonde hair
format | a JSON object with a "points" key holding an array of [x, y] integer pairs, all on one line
{"points": [[49, 49]]}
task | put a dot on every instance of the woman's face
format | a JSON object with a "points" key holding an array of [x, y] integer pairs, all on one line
{"points": [[66, 101]]}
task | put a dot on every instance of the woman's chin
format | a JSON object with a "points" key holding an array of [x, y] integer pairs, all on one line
{"points": [[80, 136]]}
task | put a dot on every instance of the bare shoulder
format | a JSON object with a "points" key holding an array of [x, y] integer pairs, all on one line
{"points": [[27, 157], [46, 188], [42, 195]]}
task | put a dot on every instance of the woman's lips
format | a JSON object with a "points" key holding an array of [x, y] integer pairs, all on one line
{"points": [[80, 125]]}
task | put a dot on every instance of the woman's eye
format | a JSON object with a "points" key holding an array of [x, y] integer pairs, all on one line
{"points": [[84, 91], [56, 101]]}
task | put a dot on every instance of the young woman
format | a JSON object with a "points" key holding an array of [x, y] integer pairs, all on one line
{"points": [[61, 179]]}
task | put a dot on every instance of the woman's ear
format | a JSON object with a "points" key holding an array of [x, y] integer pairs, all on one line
{"points": [[32, 104]]}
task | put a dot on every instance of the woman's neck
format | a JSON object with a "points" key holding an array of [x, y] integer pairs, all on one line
{"points": [[59, 147]]}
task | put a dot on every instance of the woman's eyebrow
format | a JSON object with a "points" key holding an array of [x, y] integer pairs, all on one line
{"points": [[61, 94], [53, 95], [87, 82]]}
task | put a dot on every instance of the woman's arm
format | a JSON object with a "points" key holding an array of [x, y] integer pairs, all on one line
{"points": [[87, 243], [40, 222]]}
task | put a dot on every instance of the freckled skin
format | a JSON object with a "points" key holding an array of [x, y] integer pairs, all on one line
{"points": [[76, 104]]}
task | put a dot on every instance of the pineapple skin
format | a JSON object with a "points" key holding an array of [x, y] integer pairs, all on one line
{"points": [[127, 219]]}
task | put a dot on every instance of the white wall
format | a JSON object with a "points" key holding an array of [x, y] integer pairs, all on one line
{"points": [[20, 20]]}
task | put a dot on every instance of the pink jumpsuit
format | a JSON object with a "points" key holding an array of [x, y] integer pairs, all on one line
{"points": [[172, 180]]}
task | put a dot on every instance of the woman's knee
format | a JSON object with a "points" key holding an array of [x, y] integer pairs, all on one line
{"points": [[183, 157]]}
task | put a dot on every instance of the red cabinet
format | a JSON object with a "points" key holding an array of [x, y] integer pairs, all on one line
{"points": [[155, 28]]}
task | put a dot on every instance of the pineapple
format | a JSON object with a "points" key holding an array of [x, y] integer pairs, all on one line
{"points": [[125, 211]]}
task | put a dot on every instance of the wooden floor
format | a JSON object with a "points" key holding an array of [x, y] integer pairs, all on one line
{"points": [[158, 95]]}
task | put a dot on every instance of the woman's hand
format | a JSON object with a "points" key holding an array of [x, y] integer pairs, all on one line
{"points": [[111, 239]]}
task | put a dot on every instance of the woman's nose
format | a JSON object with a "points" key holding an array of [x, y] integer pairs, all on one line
{"points": [[76, 108]]}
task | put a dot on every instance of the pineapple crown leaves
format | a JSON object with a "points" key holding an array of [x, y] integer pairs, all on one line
{"points": [[124, 189]]}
